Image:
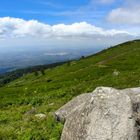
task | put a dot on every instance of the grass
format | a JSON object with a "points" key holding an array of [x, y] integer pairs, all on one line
{"points": [[46, 93]]}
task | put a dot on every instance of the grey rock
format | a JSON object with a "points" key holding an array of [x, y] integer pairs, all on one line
{"points": [[75, 104], [104, 114], [40, 116], [51, 104]]}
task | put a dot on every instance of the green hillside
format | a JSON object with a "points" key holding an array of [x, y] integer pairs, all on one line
{"points": [[117, 67]]}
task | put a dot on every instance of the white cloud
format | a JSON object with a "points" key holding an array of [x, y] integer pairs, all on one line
{"points": [[15, 32], [125, 16], [128, 13], [17, 28]]}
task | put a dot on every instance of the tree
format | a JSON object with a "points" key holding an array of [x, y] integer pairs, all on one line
{"points": [[42, 71], [68, 63], [82, 57], [36, 73]]}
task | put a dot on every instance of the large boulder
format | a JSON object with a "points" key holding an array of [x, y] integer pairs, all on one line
{"points": [[104, 114], [75, 104]]}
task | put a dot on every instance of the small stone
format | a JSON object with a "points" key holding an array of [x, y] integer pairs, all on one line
{"points": [[32, 111], [51, 104], [116, 73], [40, 116]]}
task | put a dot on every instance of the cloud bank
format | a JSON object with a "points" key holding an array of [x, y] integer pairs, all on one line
{"points": [[25, 33], [19, 28]]}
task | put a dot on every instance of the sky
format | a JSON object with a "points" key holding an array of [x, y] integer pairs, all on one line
{"points": [[68, 23]]}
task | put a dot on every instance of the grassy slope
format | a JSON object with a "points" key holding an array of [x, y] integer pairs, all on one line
{"points": [[68, 81]]}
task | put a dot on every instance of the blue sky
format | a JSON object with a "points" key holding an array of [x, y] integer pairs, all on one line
{"points": [[77, 21], [58, 11]]}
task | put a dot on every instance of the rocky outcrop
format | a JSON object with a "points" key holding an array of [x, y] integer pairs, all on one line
{"points": [[104, 114]]}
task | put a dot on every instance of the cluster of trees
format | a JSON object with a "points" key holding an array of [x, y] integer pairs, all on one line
{"points": [[36, 72], [10, 76]]}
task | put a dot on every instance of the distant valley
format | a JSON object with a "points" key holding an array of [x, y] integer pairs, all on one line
{"points": [[21, 58]]}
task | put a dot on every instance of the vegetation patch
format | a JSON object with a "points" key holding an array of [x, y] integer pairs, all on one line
{"points": [[117, 67]]}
